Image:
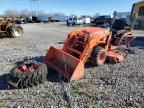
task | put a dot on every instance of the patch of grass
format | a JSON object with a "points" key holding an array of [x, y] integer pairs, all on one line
{"points": [[49, 94], [93, 104], [78, 89], [87, 87]]}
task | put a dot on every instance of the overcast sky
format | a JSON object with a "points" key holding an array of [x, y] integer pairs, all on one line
{"points": [[78, 7]]}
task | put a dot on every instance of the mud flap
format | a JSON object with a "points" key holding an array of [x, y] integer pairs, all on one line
{"points": [[65, 64]]}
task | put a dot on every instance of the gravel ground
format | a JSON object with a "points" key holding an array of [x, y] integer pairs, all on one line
{"points": [[118, 85]]}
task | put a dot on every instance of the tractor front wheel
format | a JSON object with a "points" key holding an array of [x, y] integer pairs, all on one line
{"points": [[98, 56], [28, 74]]}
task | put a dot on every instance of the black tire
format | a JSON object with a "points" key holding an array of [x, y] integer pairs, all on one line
{"points": [[73, 24], [16, 31], [98, 56], [29, 78], [68, 23]]}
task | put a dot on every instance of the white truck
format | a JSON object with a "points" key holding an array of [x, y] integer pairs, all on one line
{"points": [[73, 20]]}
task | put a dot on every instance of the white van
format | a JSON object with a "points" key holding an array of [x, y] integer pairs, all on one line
{"points": [[86, 20]]}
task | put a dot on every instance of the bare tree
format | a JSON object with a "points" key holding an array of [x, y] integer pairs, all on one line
{"points": [[11, 13], [41, 13], [24, 13], [58, 14]]}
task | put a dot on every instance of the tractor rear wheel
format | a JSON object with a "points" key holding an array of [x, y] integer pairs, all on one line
{"points": [[28, 74], [16, 31], [98, 56]]}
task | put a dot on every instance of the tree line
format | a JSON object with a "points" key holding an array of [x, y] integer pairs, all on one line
{"points": [[26, 13]]}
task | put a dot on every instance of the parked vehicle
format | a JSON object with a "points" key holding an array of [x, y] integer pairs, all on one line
{"points": [[73, 20], [59, 18], [136, 19], [33, 19], [17, 21], [86, 20], [102, 20], [119, 24], [20, 21], [23, 21], [43, 18]]}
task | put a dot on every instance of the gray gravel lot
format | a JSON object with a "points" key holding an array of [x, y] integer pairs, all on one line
{"points": [[108, 86]]}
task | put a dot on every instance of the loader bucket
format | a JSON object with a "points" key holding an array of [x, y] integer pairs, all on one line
{"points": [[65, 64]]}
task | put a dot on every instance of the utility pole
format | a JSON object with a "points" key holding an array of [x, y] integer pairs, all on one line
{"points": [[34, 5]]}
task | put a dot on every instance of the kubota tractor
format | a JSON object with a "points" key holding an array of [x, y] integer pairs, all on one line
{"points": [[8, 28], [93, 44]]}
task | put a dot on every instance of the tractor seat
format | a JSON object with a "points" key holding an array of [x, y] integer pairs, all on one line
{"points": [[116, 34], [117, 30]]}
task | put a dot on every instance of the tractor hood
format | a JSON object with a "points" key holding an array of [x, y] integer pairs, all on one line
{"points": [[90, 32]]}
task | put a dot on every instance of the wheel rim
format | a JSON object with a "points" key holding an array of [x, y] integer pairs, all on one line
{"points": [[17, 32], [102, 56], [32, 67]]}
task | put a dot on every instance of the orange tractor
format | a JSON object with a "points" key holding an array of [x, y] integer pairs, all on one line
{"points": [[94, 44], [9, 28], [91, 43]]}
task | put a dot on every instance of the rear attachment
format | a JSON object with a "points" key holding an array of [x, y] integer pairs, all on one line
{"points": [[115, 56]]}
